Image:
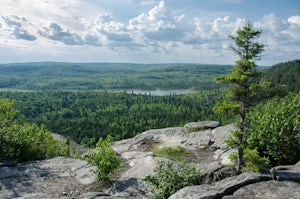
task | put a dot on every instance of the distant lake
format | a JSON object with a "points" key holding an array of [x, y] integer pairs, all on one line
{"points": [[160, 92], [136, 92]]}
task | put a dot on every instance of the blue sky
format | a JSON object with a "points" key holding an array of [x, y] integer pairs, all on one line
{"points": [[144, 31]]}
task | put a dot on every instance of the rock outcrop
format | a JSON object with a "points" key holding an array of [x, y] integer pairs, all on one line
{"points": [[62, 177], [206, 138], [248, 185]]}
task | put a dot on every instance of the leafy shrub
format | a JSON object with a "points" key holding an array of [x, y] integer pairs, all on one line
{"points": [[275, 129], [252, 160], [170, 177], [104, 158], [21, 141], [175, 154]]}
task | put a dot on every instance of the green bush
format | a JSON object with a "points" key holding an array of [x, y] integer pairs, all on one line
{"points": [[252, 160], [21, 141], [104, 159], [275, 129], [175, 154], [170, 177]]}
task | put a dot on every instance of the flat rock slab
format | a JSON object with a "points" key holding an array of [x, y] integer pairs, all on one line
{"points": [[54, 177], [270, 189]]}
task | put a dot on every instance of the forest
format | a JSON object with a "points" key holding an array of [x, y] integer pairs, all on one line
{"points": [[284, 76], [81, 110], [108, 76], [87, 116]]}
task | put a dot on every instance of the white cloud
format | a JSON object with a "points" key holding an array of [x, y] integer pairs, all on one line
{"points": [[294, 20], [55, 32], [158, 24], [158, 30], [12, 27]]}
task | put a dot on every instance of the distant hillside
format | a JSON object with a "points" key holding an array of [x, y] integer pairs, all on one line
{"points": [[285, 75], [108, 76]]}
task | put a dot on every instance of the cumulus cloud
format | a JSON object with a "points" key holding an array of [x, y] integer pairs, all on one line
{"points": [[12, 27], [159, 24], [55, 32], [294, 20], [111, 29]]}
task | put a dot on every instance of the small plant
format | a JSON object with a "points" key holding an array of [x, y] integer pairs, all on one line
{"points": [[104, 159], [170, 177], [252, 160], [175, 154]]}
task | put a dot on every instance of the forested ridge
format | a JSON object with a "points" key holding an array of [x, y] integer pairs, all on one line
{"points": [[285, 75], [108, 76]]}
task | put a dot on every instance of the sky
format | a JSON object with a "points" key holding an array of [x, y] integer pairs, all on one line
{"points": [[144, 31]]}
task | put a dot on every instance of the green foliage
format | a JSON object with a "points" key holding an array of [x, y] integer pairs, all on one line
{"points": [[275, 129], [87, 116], [175, 154], [284, 76], [170, 177], [252, 160], [244, 90], [237, 140], [104, 159], [21, 141]]}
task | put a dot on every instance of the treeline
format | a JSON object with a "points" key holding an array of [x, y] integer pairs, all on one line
{"points": [[284, 76], [87, 116], [108, 76]]}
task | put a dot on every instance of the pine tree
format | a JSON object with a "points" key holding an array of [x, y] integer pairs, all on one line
{"points": [[243, 80]]}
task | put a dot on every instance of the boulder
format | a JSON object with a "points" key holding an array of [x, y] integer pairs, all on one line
{"points": [[286, 172]]}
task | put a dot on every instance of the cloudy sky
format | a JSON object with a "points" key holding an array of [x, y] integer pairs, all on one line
{"points": [[144, 31]]}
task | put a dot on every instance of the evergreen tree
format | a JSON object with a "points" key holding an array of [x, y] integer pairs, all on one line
{"points": [[244, 84]]}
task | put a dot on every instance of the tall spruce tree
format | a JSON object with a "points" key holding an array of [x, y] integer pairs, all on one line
{"points": [[244, 85]]}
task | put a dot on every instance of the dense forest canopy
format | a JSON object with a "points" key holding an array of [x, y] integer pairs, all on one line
{"points": [[87, 116], [108, 76], [285, 75]]}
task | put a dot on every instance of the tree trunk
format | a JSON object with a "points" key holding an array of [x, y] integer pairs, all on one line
{"points": [[240, 160]]}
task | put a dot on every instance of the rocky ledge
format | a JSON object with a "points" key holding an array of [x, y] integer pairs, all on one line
{"points": [[62, 177]]}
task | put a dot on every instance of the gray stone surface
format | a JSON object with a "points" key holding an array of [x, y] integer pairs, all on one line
{"points": [[129, 188], [54, 177], [268, 190], [203, 125], [220, 188], [137, 151], [220, 134], [70, 178], [141, 164], [286, 172]]}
